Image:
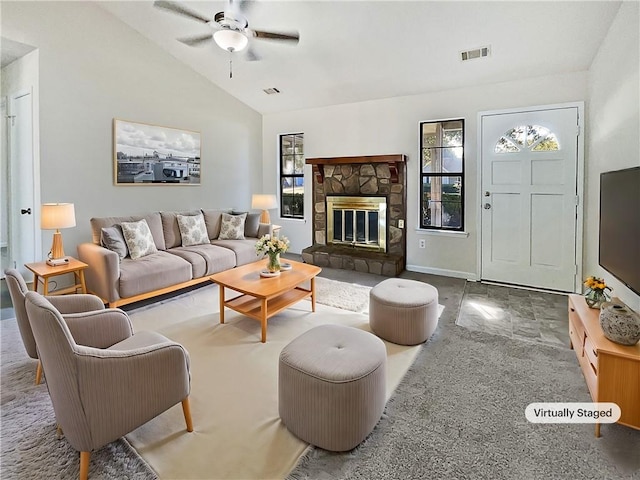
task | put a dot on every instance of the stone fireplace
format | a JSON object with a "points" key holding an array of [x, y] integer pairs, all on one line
{"points": [[359, 211]]}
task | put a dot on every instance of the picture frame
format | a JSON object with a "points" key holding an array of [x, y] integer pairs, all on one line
{"points": [[145, 154]]}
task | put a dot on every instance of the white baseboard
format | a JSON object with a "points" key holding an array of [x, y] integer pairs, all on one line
{"points": [[442, 271]]}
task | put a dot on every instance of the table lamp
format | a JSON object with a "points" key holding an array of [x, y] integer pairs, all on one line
{"points": [[264, 203], [55, 216]]}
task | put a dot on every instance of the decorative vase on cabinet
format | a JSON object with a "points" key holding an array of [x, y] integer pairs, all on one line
{"points": [[619, 323]]}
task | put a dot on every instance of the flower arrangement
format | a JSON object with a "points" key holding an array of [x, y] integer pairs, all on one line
{"points": [[272, 247], [596, 293]]}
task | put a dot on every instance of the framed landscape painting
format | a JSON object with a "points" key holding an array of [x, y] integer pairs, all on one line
{"points": [[151, 155]]}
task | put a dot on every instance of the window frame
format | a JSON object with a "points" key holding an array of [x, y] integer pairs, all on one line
{"points": [[424, 175], [292, 176]]}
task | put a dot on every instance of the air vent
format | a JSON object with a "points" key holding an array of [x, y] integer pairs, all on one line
{"points": [[271, 91], [480, 52]]}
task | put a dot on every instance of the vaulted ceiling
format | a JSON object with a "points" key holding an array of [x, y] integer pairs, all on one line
{"points": [[353, 51]]}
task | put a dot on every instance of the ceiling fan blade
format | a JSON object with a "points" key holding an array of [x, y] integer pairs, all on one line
{"points": [[196, 40], [251, 55], [180, 9], [291, 37]]}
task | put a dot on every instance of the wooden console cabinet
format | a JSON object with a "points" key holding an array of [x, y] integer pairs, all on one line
{"points": [[612, 371]]}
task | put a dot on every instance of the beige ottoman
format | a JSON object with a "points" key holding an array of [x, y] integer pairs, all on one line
{"points": [[332, 386], [403, 311]]}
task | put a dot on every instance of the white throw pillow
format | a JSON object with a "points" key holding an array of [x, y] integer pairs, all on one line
{"points": [[138, 238], [193, 230], [232, 227]]}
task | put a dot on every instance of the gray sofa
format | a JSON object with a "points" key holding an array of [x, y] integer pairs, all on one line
{"points": [[121, 281]]}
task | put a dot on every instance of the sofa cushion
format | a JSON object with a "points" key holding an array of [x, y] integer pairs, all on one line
{"points": [[232, 227], [139, 239], [245, 250], [153, 220], [193, 230], [206, 259], [152, 272], [251, 223], [171, 229], [213, 220], [113, 239]]}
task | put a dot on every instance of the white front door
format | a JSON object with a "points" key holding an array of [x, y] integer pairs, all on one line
{"points": [[529, 198]]}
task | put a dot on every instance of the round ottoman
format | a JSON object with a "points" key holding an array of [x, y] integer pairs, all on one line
{"points": [[403, 311], [332, 386]]}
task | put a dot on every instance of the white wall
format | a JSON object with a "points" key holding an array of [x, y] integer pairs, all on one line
{"points": [[613, 140], [94, 68], [391, 126]]}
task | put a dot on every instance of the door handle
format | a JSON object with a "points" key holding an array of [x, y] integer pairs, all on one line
{"points": [[26, 212], [487, 206], [487, 194]]}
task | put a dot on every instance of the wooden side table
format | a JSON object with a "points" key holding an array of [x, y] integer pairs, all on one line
{"points": [[43, 271]]}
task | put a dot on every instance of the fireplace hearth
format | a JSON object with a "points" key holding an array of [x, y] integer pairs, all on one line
{"points": [[359, 206]]}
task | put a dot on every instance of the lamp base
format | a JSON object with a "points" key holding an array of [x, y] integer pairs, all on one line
{"points": [[56, 263], [57, 251], [265, 218]]}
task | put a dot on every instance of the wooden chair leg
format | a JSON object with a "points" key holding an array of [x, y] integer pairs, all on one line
{"points": [[38, 372], [186, 409], [84, 465], [59, 431]]}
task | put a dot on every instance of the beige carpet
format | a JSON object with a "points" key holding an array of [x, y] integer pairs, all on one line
{"points": [[238, 433]]}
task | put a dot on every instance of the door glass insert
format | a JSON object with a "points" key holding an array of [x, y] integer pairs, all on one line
{"points": [[527, 137]]}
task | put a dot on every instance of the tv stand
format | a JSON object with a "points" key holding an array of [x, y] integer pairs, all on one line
{"points": [[612, 371]]}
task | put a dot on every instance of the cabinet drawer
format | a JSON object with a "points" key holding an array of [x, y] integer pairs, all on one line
{"points": [[590, 376], [576, 337], [591, 353]]}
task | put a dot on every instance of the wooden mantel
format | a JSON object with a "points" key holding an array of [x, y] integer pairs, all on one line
{"points": [[391, 160]]}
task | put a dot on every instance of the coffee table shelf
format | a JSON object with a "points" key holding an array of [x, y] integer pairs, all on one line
{"points": [[252, 307]]}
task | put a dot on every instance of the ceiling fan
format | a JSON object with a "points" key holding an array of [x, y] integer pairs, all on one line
{"points": [[231, 30]]}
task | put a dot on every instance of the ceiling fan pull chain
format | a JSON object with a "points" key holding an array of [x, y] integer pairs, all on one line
{"points": [[230, 65]]}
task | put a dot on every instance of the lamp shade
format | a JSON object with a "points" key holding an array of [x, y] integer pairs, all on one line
{"points": [[54, 216], [230, 40], [264, 202]]}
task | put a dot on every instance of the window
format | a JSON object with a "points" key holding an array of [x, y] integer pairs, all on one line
{"points": [[527, 137], [292, 175], [442, 175]]}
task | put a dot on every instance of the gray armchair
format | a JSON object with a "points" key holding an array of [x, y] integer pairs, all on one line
{"points": [[64, 304], [112, 383]]}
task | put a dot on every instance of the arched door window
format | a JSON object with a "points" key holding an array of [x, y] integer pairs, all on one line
{"points": [[527, 137]]}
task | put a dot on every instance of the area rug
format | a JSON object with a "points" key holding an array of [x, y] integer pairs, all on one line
{"points": [[238, 433], [347, 296]]}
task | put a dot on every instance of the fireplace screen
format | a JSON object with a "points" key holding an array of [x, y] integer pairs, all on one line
{"points": [[357, 221]]}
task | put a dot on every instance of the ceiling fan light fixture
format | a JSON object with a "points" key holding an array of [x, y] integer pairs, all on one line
{"points": [[230, 40]]}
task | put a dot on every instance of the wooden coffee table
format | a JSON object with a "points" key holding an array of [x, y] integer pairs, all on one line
{"points": [[262, 298]]}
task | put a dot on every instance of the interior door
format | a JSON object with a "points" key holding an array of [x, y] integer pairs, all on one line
{"points": [[4, 189], [529, 198], [22, 209]]}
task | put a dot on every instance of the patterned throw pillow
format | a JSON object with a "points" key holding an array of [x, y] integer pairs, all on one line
{"points": [[232, 227], [192, 230], [138, 238]]}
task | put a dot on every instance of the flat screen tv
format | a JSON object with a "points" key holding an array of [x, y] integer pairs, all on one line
{"points": [[619, 247]]}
